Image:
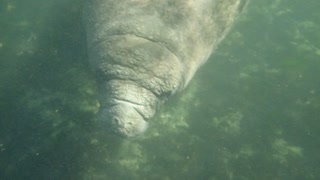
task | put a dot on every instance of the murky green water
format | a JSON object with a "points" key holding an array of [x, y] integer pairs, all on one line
{"points": [[252, 112]]}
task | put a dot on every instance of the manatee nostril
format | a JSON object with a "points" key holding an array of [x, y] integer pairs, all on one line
{"points": [[115, 121]]}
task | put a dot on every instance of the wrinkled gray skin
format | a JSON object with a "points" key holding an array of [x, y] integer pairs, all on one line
{"points": [[146, 50]]}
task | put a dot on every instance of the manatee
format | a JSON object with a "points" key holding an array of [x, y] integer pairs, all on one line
{"points": [[144, 51]]}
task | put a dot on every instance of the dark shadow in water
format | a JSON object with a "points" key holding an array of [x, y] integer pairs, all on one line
{"points": [[47, 127]]}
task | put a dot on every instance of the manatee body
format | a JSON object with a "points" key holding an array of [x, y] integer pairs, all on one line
{"points": [[144, 51]]}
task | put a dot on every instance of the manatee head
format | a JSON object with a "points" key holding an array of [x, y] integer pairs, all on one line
{"points": [[145, 51]]}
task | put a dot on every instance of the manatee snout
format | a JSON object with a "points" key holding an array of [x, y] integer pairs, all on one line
{"points": [[125, 107], [123, 119]]}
